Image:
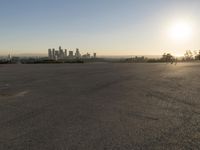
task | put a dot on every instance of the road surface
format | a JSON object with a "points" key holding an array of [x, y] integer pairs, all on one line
{"points": [[100, 106]]}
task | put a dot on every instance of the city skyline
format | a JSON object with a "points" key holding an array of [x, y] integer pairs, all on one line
{"points": [[130, 27], [61, 54]]}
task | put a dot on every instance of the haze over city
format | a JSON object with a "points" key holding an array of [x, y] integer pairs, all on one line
{"points": [[114, 27]]}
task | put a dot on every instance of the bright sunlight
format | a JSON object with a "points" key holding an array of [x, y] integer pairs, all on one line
{"points": [[181, 30]]}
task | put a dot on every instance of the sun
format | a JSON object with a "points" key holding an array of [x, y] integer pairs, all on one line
{"points": [[181, 30]]}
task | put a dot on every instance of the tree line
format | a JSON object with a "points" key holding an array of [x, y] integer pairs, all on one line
{"points": [[168, 58]]}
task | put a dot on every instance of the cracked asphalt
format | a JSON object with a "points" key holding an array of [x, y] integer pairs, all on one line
{"points": [[100, 106]]}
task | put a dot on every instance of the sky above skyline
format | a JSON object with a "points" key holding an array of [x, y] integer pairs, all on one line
{"points": [[108, 27]]}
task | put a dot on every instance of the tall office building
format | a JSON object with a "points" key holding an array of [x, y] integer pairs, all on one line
{"points": [[57, 55], [61, 53], [71, 54], [77, 54], [9, 57], [65, 52], [50, 53], [60, 47], [53, 53]]}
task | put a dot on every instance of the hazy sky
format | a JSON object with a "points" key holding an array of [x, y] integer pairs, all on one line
{"points": [[109, 27]]}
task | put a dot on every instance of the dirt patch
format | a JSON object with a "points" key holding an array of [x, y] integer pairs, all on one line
{"points": [[9, 94]]}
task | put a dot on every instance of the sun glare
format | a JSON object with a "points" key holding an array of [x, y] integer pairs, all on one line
{"points": [[180, 31]]}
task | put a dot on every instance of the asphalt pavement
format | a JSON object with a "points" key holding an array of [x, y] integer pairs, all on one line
{"points": [[100, 106]]}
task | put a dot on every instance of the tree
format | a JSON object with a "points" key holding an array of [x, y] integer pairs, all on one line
{"points": [[197, 56], [188, 55], [167, 57]]}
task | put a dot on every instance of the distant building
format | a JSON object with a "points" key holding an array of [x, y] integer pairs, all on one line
{"points": [[56, 57], [61, 53], [87, 56], [9, 57], [77, 54], [65, 52], [53, 53], [50, 54], [60, 48], [71, 55]]}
